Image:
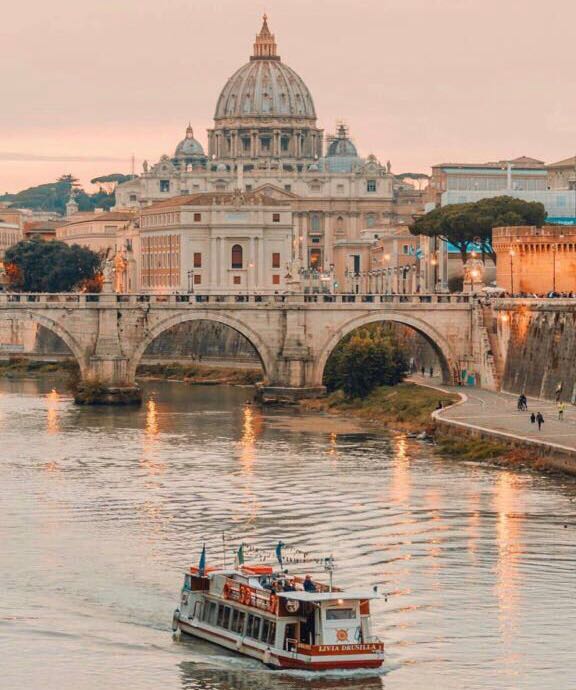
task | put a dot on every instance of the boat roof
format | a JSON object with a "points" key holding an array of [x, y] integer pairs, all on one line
{"points": [[329, 596]]}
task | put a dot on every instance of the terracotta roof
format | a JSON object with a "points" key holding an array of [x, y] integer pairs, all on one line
{"points": [[210, 198], [41, 225], [110, 215]]}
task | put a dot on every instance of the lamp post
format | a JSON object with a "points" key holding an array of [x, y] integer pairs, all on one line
{"points": [[512, 253]]}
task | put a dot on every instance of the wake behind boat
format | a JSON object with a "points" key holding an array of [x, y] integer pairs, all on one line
{"points": [[284, 620]]}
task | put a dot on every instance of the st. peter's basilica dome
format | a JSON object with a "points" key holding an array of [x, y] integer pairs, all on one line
{"points": [[265, 87], [189, 147]]}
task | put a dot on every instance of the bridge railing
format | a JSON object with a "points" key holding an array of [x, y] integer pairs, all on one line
{"points": [[183, 300]]}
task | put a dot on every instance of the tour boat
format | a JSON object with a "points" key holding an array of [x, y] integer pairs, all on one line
{"points": [[285, 621]]}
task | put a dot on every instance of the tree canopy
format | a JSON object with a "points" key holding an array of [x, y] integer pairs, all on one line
{"points": [[364, 360], [464, 225], [53, 196], [40, 266]]}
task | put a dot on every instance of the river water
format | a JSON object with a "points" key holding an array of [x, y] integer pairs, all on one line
{"points": [[101, 510]]}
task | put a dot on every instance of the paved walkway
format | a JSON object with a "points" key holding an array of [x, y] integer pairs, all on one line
{"points": [[497, 412]]}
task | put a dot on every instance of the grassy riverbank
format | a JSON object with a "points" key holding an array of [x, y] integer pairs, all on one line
{"points": [[406, 407], [199, 374], [187, 373], [25, 368]]}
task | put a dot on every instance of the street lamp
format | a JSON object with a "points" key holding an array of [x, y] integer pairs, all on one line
{"points": [[474, 273], [512, 254]]}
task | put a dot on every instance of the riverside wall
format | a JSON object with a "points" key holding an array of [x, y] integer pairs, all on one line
{"points": [[540, 346]]}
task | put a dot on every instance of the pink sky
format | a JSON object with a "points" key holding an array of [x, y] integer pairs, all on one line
{"points": [[418, 81]]}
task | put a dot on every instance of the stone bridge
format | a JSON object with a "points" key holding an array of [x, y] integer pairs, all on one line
{"points": [[292, 334]]}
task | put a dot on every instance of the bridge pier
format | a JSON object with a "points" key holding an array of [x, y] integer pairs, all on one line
{"points": [[293, 379], [106, 379]]}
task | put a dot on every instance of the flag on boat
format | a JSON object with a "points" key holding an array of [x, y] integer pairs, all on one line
{"points": [[202, 563], [279, 552], [240, 555]]}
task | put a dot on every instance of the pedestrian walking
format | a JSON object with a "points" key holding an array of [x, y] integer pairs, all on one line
{"points": [[559, 391], [423, 370], [519, 404], [560, 412], [540, 420], [431, 372], [532, 418], [524, 402]]}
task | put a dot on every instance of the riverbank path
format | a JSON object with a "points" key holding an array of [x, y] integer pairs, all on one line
{"points": [[497, 412]]}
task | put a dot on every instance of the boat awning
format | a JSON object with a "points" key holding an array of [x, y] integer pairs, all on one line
{"points": [[329, 596]]}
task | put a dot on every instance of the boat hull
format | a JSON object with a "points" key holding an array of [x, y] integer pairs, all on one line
{"points": [[278, 659]]}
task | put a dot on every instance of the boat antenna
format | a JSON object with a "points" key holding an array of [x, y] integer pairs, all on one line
{"points": [[329, 568]]}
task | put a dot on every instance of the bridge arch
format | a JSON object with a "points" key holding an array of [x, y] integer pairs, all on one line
{"points": [[262, 350], [442, 348], [75, 348]]}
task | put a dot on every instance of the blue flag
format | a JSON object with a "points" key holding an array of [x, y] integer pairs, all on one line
{"points": [[202, 564], [279, 552]]}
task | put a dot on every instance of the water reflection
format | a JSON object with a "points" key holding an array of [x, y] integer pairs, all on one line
{"points": [[195, 677], [52, 419], [150, 459]]}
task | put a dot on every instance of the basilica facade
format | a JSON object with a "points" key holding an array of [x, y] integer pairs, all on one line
{"points": [[266, 140]]}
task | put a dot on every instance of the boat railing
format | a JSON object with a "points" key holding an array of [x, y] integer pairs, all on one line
{"points": [[242, 593]]}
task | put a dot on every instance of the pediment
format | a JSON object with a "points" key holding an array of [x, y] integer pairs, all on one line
{"points": [[271, 190]]}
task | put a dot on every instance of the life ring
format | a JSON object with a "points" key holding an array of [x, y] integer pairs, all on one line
{"points": [[176, 620], [292, 605]]}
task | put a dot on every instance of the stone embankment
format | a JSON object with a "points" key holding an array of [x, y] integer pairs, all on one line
{"points": [[494, 417]]}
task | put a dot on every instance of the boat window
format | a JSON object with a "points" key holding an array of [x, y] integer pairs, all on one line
{"points": [[209, 613], [226, 617], [237, 621], [265, 630], [253, 626], [187, 582], [268, 632], [340, 614], [220, 619]]}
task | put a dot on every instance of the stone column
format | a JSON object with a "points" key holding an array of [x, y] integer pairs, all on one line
{"points": [[251, 268], [213, 282], [328, 239], [263, 266]]}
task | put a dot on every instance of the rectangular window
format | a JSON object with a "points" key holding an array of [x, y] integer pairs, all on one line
{"points": [[248, 187], [164, 185], [238, 621], [405, 249], [197, 259], [237, 280], [370, 185], [356, 263], [133, 197], [265, 630], [197, 217], [275, 279], [253, 626], [226, 617], [315, 256], [315, 240], [287, 187], [275, 217], [220, 618], [340, 614], [197, 279], [275, 259], [340, 188]]}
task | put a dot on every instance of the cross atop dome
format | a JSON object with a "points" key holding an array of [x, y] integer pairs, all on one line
{"points": [[265, 44]]}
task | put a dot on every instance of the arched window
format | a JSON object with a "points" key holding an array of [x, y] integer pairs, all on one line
{"points": [[315, 223], [237, 256]]}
